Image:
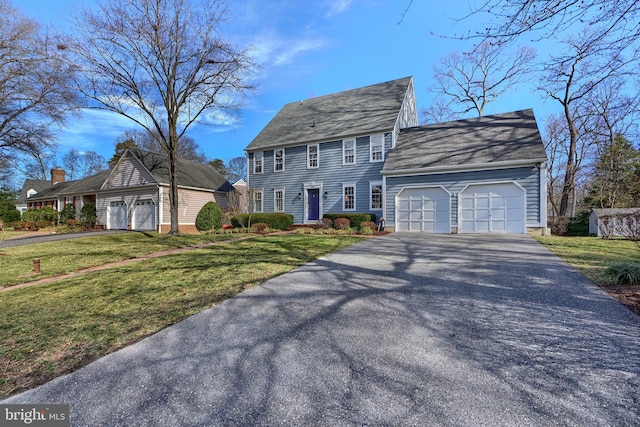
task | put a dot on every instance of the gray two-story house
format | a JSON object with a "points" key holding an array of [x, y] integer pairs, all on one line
{"points": [[362, 151]]}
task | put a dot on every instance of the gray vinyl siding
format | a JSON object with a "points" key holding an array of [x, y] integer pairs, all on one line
{"points": [[330, 174], [129, 173], [527, 177]]}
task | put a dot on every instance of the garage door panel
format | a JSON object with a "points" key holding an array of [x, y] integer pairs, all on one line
{"points": [[117, 216], [423, 209], [488, 208], [143, 215]]}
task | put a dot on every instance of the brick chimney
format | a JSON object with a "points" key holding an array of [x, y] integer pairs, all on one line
{"points": [[57, 175]]}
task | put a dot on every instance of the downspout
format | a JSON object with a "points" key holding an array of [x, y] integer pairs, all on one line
{"points": [[160, 208]]}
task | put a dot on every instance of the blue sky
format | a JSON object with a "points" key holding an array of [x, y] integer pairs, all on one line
{"points": [[306, 49]]}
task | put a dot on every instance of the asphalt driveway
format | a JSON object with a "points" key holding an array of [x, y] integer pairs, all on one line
{"points": [[398, 330]]}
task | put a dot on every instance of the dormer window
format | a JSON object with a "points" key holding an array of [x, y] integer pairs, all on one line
{"points": [[31, 192]]}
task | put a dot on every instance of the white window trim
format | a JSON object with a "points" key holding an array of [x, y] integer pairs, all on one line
{"points": [[275, 199], [274, 160], [344, 143], [261, 193], [380, 140], [371, 185], [317, 156], [344, 202], [260, 155]]}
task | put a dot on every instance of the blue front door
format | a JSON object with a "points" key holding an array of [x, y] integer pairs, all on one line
{"points": [[313, 204]]}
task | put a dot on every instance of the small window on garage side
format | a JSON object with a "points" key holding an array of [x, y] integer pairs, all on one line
{"points": [[349, 199]]}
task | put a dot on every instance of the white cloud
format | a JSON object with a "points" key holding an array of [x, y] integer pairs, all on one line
{"points": [[275, 50], [337, 7]]}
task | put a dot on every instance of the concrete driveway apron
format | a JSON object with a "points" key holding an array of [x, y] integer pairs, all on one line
{"points": [[407, 329]]}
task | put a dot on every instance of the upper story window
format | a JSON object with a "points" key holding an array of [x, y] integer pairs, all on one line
{"points": [[376, 148], [257, 162], [278, 160], [312, 156], [278, 200], [349, 197], [348, 151]]}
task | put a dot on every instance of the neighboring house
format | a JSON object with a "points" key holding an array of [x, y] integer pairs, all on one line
{"points": [[362, 151], [614, 222], [32, 187], [135, 193]]}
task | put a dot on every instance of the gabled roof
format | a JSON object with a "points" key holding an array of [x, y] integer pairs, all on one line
{"points": [[190, 174], [38, 185], [350, 113], [500, 139], [86, 185]]}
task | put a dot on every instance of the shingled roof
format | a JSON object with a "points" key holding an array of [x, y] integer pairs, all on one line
{"points": [[490, 140], [353, 112], [190, 174]]}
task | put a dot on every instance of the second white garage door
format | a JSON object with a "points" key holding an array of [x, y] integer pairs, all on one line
{"points": [[492, 208], [144, 215], [423, 209]]}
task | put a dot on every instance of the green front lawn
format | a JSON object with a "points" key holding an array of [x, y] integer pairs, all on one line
{"points": [[592, 255], [62, 257], [48, 330]]}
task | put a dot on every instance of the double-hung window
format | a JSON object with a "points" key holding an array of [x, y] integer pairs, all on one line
{"points": [[376, 148], [376, 195], [257, 162], [257, 201], [312, 156], [349, 199], [348, 151], [278, 200], [278, 160]]}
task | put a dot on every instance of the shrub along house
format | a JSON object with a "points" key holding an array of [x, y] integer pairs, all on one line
{"points": [[135, 193], [361, 151]]}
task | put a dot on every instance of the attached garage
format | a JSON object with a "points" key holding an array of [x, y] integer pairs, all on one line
{"points": [[425, 209], [144, 215], [492, 208], [117, 216]]}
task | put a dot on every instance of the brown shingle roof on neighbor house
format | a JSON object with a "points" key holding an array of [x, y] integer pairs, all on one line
{"points": [[500, 138], [350, 113]]}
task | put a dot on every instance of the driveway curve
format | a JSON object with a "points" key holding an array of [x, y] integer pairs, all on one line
{"points": [[405, 329]]}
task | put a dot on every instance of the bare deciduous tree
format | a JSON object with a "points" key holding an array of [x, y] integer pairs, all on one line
{"points": [[161, 63], [236, 169], [79, 165], [188, 149], [469, 81], [35, 83]]}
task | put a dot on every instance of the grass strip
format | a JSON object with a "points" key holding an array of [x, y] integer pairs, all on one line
{"points": [[57, 258], [592, 255], [49, 330]]}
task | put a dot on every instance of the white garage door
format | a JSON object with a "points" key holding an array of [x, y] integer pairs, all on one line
{"points": [[423, 209], [117, 216], [144, 217], [492, 208]]}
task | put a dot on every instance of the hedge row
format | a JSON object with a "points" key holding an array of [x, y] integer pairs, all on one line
{"points": [[354, 218], [278, 221]]}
